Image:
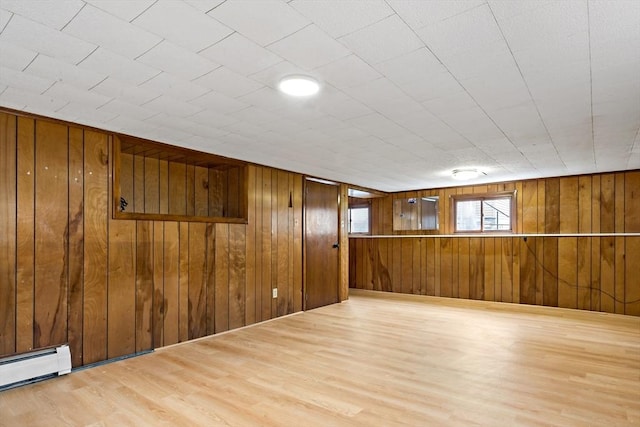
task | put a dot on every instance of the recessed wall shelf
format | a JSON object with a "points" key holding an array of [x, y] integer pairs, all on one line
{"points": [[153, 181]]}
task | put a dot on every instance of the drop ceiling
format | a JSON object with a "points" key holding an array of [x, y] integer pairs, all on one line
{"points": [[410, 89]]}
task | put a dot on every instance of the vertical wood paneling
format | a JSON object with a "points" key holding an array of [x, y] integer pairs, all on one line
{"points": [[632, 278], [445, 267], [416, 282], [190, 190], [282, 252], [607, 274], [163, 186], [121, 295], [151, 185], [489, 280], [464, 278], [158, 302], [567, 272], [25, 238], [619, 290], [476, 268], [528, 281], [138, 184], [177, 188], [237, 275], [183, 288], [144, 285], [250, 251], [266, 243], [222, 278], [529, 200], [429, 274], [8, 200], [210, 260], [51, 243], [76, 243], [406, 269], [171, 263], [632, 202], [595, 244], [197, 280], [297, 245], [507, 270], [96, 182], [258, 242]]}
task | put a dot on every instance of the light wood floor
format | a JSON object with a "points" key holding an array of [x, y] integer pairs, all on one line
{"points": [[376, 360]]}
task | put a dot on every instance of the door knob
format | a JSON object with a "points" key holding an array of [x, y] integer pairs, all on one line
{"points": [[336, 245]]}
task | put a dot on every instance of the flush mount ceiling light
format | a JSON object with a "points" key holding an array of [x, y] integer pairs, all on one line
{"points": [[299, 86], [466, 174]]}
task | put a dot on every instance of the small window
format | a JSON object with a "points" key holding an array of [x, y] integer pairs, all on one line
{"points": [[484, 213], [359, 219]]}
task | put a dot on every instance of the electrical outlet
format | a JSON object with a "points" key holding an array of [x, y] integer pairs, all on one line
{"points": [[274, 292]]}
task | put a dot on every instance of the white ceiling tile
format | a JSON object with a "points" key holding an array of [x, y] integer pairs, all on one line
{"points": [[15, 57], [169, 57], [123, 9], [376, 91], [255, 115], [46, 67], [420, 13], [32, 102], [204, 5], [264, 21], [112, 33], [342, 106], [383, 40], [219, 103], [37, 37], [28, 82], [398, 108], [175, 87], [437, 85], [181, 24], [211, 118], [119, 107], [228, 82], [309, 48], [379, 125], [90, 100], [172, 106], [454, 103], [411, 66], [269, 99], [5, 17], [348, 71], [241, 55], [272, 75], [114, 88], [343, 17], [52, 13], [466, 32], [117, 66], [79, 113]]}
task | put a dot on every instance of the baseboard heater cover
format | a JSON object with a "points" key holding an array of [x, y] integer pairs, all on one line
{"points": [[29, 367]]}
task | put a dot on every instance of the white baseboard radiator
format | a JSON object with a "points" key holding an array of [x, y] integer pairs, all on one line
{"points": [[34, 366]]}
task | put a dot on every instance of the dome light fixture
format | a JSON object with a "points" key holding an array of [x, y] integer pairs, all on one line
{"points": [[466, 174], [299, 86]]}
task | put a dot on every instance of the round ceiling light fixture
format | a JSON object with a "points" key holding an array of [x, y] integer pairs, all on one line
{"points": [[466, 174], [299, 85]]}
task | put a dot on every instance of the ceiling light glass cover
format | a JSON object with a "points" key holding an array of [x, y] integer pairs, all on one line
{"points": [[465, 174], [299, 86]]}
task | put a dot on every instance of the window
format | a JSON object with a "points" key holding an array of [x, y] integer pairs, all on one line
{"points": [[484, 213], [359, 219]]}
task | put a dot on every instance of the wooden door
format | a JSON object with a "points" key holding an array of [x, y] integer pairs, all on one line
{"points": [[321, 244]]}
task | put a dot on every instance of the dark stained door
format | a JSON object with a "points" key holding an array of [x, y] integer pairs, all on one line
{"points": [[321, 240]]}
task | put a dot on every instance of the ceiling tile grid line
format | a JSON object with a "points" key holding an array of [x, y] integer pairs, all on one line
{"points": [[410, 90]]}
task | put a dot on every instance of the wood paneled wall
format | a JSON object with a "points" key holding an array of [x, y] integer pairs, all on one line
{"points": [[112, 287], [591, 273]]}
